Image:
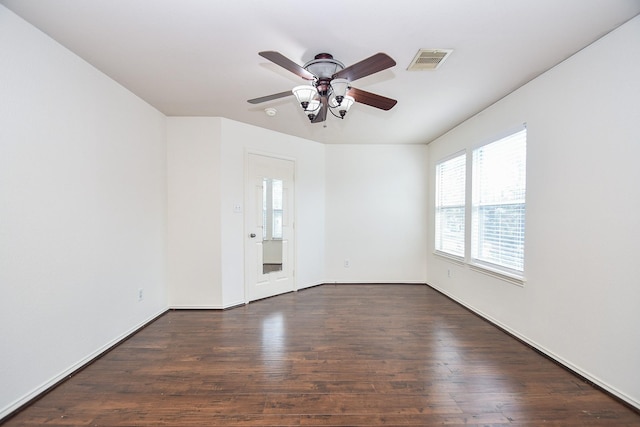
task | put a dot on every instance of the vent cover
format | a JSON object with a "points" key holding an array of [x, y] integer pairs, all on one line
{"points": [[429, 59]]}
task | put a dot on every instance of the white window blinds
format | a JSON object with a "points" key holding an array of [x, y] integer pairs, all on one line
{"points": [[450, 206], [272, 196], [277, 209], [498, 203]]}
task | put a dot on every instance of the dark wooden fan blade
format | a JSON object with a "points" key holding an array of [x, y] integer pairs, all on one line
{"points": [[371, 65], [321, 116], [372, 99], [281, 60], [269, 97]]}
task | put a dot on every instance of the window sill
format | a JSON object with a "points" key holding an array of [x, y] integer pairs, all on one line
{"points": [[453, 258], [498, 274]]}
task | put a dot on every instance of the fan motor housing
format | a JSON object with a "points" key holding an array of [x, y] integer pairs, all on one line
{"points": [[323, 66]]}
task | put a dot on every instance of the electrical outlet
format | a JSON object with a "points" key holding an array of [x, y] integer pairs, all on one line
{"points": [[347, 263], [140, 294]]}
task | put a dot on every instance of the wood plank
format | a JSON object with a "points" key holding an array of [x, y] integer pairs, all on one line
{"points": [[356, 355]]}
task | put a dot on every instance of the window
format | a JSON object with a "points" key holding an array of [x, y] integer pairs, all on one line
{"points": [[450, 206], [277, 209], [272, 195], [498, 204]]}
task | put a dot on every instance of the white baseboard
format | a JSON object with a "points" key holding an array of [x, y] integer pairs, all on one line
{"points": [[309, 285], [197, 307], [377, 282], [566, 363], [75, 367]]}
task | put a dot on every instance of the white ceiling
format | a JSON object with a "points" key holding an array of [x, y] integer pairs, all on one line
{"points": [[200, 57]]}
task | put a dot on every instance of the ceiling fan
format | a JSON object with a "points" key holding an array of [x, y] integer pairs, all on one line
{"points": [[329, 87]]}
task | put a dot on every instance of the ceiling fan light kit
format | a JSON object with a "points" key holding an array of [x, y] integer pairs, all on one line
{"points": [[310, 97], [343, 107], [329, 87], [304, 94], [339, 88]]}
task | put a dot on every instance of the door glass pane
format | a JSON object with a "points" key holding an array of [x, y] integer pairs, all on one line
{"points": [[272, 195]]}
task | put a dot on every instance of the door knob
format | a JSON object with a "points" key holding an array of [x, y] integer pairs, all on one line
{"points": [[252, 235]]}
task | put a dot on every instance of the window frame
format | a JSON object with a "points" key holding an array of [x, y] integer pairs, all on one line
{"points": [[474, 206], [504, 273], [437, 230]]}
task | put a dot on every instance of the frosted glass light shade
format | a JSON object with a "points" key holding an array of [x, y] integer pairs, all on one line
{"points": [[339, 88], [314, 104], [304, 94], [347, 102]]}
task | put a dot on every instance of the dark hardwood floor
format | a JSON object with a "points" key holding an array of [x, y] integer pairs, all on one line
{"points": [[346, 355]]}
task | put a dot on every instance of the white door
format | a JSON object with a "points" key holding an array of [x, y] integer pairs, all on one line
{"points": [[269, 230]]}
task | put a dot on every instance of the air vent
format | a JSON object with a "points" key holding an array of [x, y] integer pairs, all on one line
{"points": [[429, 59]]}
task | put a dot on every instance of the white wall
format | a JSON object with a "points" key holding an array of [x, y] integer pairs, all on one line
{"points": [[580, 301], [194, 272], [360, 187], [206, 182], [376, 213], [82, 211]]}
